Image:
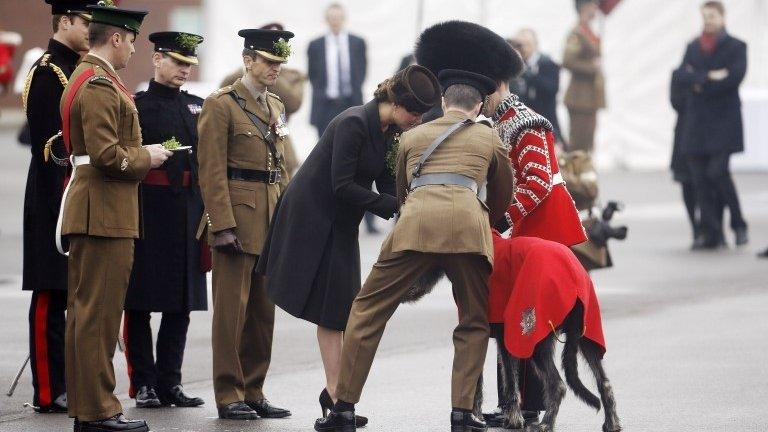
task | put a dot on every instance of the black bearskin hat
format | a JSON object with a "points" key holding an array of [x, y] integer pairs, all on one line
{"points": [[467, 46]]}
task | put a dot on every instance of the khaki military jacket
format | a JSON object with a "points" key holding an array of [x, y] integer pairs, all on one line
{"points": [[228, 138], [449, 218], [103, 197], [586, 91]]}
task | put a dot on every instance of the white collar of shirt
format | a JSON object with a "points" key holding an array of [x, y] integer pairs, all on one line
{"points": [[336, 47]]}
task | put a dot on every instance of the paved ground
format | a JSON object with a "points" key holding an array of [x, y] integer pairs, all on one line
{"points": [[686, 332]]}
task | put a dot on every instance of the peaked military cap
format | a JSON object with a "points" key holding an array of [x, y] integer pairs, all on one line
{"points": [[178, 45], [73, 7], [272, 44], [106, 13], [482, 83]]}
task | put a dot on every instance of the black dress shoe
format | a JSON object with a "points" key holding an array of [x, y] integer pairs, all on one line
{"points": [[763, 254], [466, 422], [237, 411], [707, 243], [116, 423], [741, 236], [58, 406], [337, 422], [176, 396], [146, 397], [267, 410]]}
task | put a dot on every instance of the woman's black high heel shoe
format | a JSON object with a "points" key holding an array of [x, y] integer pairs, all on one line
{"points": [[326, 404]]}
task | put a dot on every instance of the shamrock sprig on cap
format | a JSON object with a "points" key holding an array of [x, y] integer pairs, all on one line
{"points": [[282, 48], [188, 41]]}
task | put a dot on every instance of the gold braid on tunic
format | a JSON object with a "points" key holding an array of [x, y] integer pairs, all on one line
{"points": [[45, 62]]}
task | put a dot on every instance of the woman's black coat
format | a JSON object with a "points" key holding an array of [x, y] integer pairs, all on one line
{"points": [[311, 258]]}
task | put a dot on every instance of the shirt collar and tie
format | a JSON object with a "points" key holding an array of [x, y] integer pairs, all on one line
{"points": [[337, 61]]}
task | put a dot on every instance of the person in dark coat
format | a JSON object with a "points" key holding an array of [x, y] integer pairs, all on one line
{"points": [[168, 273], [45, 270], [539, 83], [337, 66], [311, 258], [712, 70]]}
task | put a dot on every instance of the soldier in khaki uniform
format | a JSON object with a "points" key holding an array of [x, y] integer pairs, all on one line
{"points": [[586, 92], [241, 133], [442, 223], [100, 215], [289, 87]]}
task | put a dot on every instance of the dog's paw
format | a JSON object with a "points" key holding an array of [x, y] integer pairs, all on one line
{"points": [[611, 427], [513, 419]]}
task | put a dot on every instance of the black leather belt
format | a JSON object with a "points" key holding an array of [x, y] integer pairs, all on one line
{"points": [[444, 179], [269, 177]]}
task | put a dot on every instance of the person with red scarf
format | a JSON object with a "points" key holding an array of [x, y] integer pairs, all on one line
{"points": [[712, 71]]}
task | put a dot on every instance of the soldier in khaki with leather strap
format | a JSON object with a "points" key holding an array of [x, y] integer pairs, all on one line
{"points": [[441, 165], [100, 215], [289, 87], [241, 134], [586, 91]]}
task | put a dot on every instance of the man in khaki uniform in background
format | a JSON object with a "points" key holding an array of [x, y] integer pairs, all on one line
{"points": [[289, 87], [443, 224], [100, 215], [241, 134], [586, 92]]}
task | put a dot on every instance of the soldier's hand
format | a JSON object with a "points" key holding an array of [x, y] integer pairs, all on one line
{"points": [[227, 242], [157, 154]]}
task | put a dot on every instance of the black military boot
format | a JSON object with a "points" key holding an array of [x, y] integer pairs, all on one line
{"points": [[176, 396], [466, 422], [146, 397], [58, 406], [341, 421], [117, 423]]}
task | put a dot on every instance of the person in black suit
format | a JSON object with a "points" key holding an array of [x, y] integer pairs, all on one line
{"points": [[311, 258], [45, 270], [167, 273], [539, 83], [337, 68], [712, 70]]}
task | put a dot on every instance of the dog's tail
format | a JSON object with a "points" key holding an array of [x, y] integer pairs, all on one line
{"points": [[572, 330]]}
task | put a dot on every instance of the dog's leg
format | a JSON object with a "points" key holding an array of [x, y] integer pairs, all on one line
{"points": [[591, 353], [510, 388], [554, 388]]}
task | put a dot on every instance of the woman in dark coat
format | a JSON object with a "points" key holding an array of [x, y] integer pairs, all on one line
{"points": [[311, 258]]}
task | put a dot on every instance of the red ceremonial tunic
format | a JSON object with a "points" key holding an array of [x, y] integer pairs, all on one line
{"points": [[534, 285], [542, 207]]}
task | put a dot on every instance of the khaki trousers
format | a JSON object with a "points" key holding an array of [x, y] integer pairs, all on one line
{"points": [[243, 321], [99, 270], [582, 130], [379, 298]]}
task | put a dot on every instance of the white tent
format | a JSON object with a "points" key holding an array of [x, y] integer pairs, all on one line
{"points": [[643, 42]]}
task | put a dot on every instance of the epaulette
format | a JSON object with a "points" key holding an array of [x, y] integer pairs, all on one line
{"points": [[44, 62], [223, 90]]}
